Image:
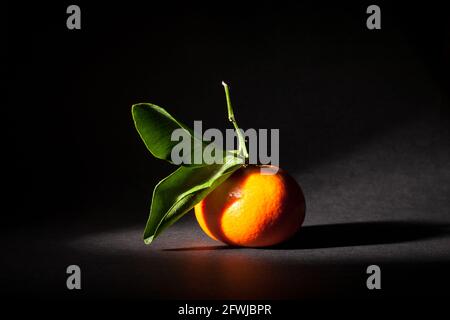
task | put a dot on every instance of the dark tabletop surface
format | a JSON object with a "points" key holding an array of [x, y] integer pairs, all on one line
{"points": [[394, 215]]}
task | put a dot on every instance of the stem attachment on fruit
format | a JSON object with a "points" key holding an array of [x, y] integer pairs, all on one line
{"points": [[241, 140]]}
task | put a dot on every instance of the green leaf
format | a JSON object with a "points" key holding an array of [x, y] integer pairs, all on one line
{"points": [[155, 126], [178, 193]]}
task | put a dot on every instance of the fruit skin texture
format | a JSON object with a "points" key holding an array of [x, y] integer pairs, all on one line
{"points": [[253, 210]]}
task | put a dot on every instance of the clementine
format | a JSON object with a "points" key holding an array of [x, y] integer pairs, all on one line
{"points": [[252, 209]]}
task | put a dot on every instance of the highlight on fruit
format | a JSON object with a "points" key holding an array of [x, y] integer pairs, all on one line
{"points": [[236, 199]]}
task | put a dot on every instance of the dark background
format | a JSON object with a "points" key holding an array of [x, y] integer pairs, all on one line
{"points": [[364, 127]]}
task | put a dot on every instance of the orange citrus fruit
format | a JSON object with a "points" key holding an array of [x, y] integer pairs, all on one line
{"points": [[252, 209]]}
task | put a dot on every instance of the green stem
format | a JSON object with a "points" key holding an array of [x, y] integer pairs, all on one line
{"points": [[242, 146]]}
